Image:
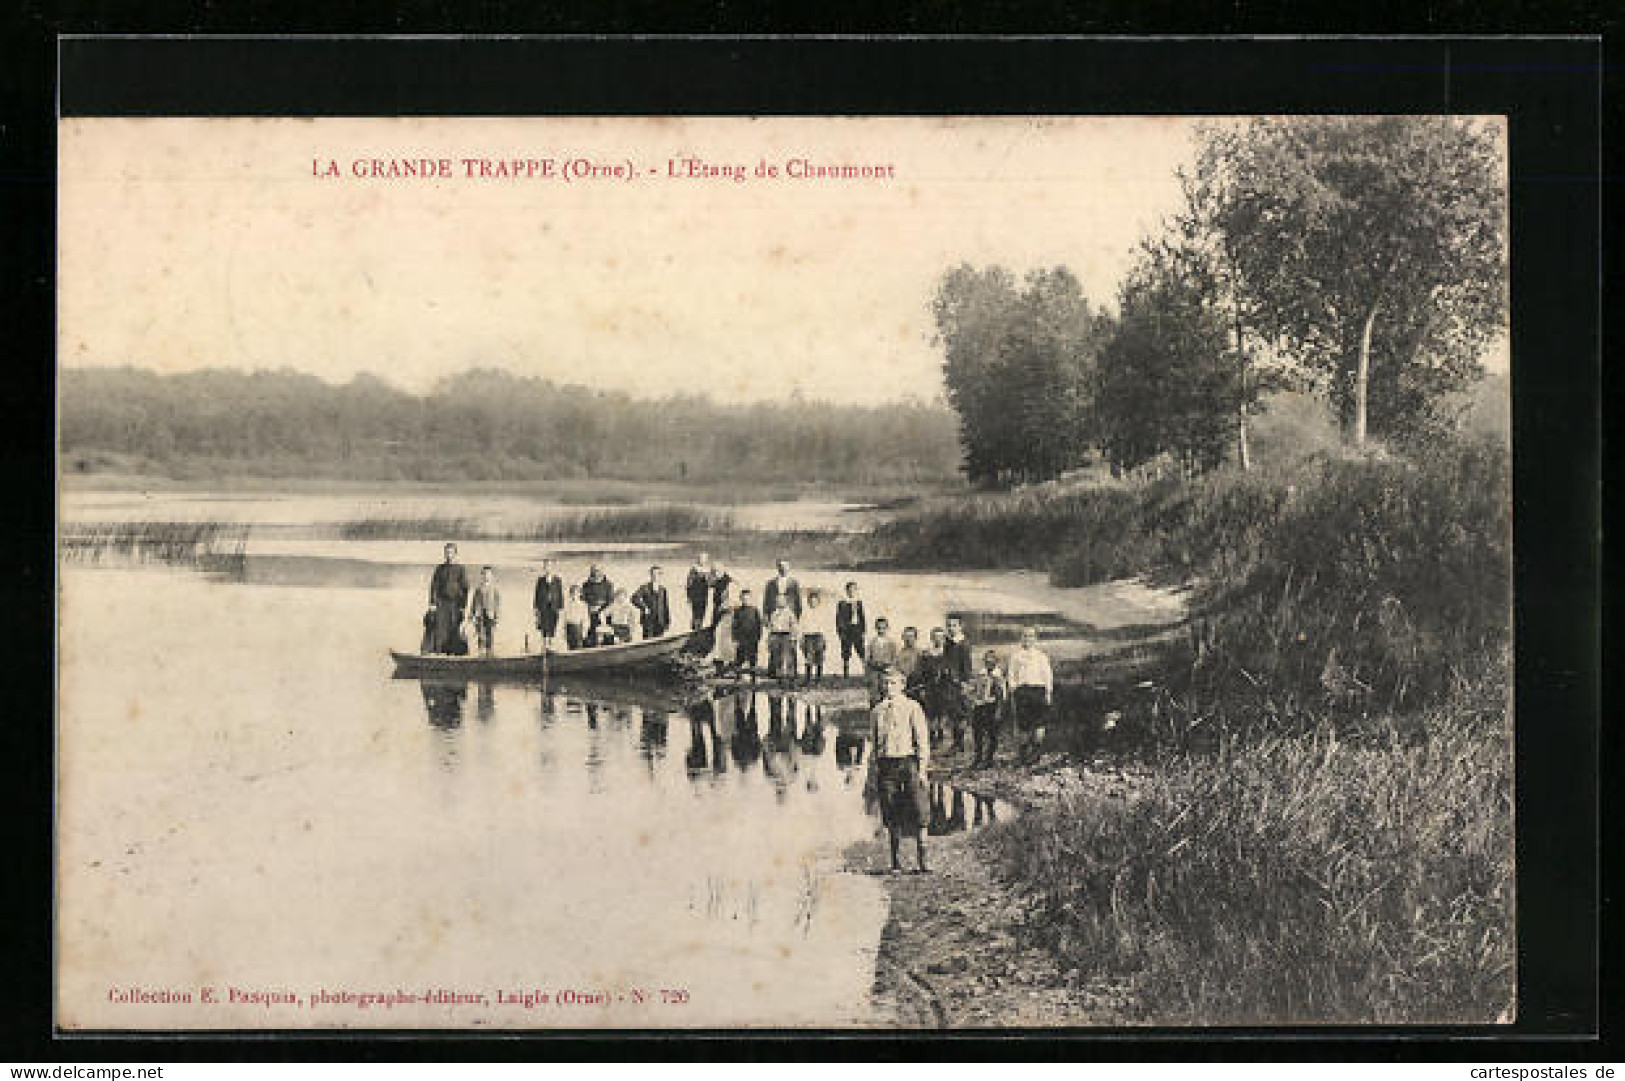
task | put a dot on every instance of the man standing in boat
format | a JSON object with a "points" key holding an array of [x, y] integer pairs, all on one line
{"points": [[596, 593], [549, 603], [653, 605], [448, 596], [698, 588]]}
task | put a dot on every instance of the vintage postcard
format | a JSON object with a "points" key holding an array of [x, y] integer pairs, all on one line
{"points": [[805, 573]]}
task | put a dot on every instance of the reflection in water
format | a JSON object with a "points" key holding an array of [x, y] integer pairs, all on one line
{"points": [[652, 738], [948, 813], [802, 741], [444, 703], [701, 715], [778, 753], [747, 740]]}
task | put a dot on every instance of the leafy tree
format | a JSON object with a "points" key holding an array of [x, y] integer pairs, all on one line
{"points": [[1373, 248], [1019, 367], [1169, 378]]}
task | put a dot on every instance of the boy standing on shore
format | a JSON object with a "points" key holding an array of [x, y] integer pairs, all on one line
{"points": [[815, 631], [958, 670], [988, 697], [880, 656], [908, 655], [850, 626], [781, 641], [747, 632], [900, 766], [1032, 690]]}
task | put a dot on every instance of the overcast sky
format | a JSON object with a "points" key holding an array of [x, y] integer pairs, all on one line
{"points": [[209, 242]]}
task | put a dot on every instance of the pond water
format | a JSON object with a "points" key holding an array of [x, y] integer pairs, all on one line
{"points": [[249, 801]]}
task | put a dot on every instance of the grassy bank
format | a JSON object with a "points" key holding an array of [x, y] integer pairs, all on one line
{"points": [[1341, 589], [1322, 831], [1291, 879]]}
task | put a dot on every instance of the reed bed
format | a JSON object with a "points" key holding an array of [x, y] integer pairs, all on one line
{"points": [[1292, 879], [419, 527], [208, 545], [651, 521]]}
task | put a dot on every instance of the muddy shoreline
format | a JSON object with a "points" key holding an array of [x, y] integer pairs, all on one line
{"points": [[954, 952]]}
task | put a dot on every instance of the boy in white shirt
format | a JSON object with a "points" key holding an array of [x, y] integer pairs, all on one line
{"points": [[1032, 691], [576, 618], [817, 628], [781, 642]]}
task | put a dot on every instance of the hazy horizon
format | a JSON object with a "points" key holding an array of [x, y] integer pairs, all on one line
{"points": [[199, 243]]}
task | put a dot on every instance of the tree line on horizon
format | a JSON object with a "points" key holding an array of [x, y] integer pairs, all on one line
{"points": [[1359, 260], [483, 425]]}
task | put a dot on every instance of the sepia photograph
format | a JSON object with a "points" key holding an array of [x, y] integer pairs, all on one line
{"points": [[813, 573]]}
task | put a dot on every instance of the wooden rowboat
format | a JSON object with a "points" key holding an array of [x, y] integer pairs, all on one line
{"points": [[603, 659]]}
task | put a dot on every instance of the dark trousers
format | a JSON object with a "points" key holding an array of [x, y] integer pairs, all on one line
{"points": [[572, 635], [812, 649], [985, 732], [547, 621], [1030, 710], [851, 643], [696, 605], [781, 654], [745, 652], [485, 627]]}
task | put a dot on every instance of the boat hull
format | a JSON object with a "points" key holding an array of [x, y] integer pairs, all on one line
{"points": [[631, 656]]}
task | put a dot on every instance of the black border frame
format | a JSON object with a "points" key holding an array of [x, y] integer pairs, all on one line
{"points": [[1550, 89]]}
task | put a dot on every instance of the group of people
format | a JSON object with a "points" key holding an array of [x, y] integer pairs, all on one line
{"points": [[593, 613], [919, 695], [920, 692]]}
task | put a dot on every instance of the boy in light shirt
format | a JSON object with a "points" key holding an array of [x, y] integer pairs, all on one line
{"points": [[879, 656], [817, 628], [1032, 690], [781, 641]]}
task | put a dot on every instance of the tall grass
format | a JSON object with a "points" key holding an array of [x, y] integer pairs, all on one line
{"points": [[642, 522], [419, 527], [1378, 586], [1293, 879], [210, 545]]}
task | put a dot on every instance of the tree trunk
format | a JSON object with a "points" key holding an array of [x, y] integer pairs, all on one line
{"points": [[1362, 374], [1242, 454]]}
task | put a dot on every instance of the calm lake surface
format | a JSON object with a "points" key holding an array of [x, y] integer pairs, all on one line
{"points": [[248, 800]]}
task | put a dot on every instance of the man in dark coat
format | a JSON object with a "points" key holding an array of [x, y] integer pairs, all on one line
{"points": [[782, 589], [720, 581], [448, 596], [596, 593], [698, 588], [549, 602], [653, 605]]}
